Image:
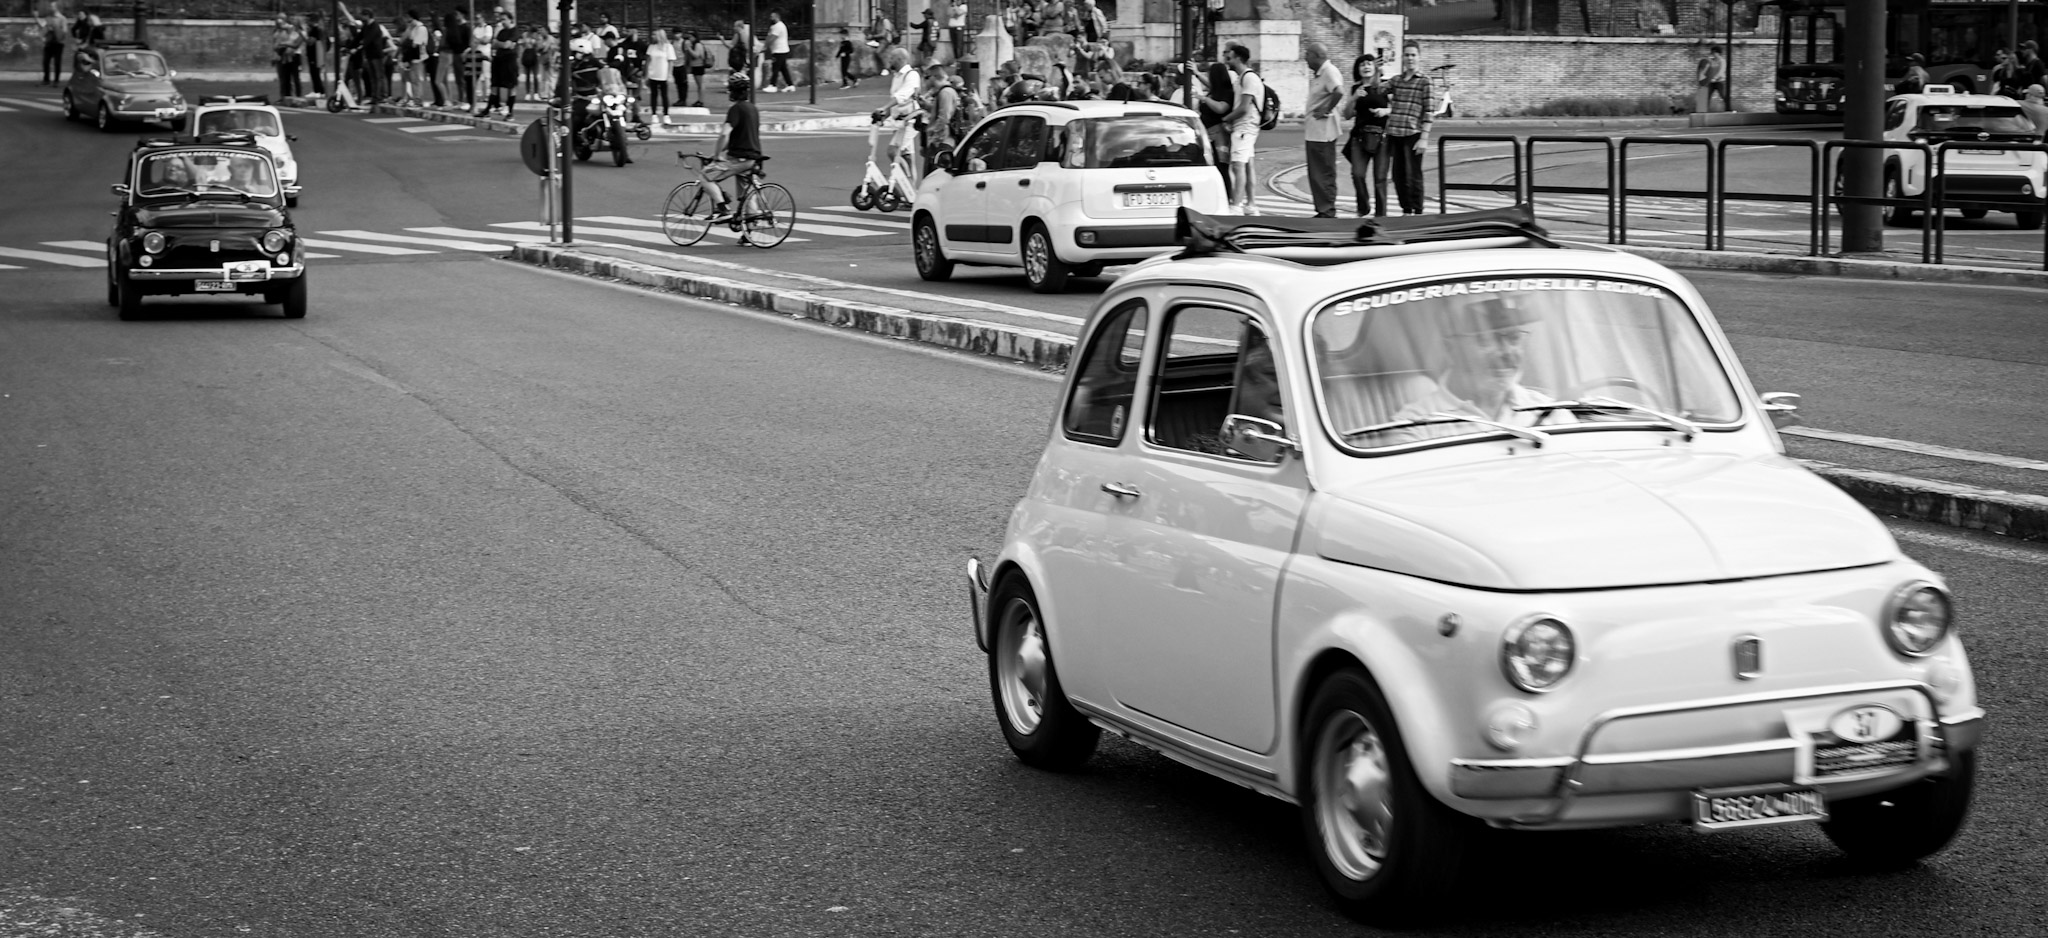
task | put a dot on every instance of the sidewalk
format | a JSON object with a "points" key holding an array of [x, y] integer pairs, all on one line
{"points": [[1922, 483], [782, 112]]}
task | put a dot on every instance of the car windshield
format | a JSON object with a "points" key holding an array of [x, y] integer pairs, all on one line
{"points": [[136, 64], [1135, 140], [205, 172], [262, 123], [1462, 358], [1991, 118]]}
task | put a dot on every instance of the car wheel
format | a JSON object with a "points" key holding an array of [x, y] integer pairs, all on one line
{"points": [[291, 201], [113, 289], [1088, 270], [863, 198], [2028, 221], [103, 118], [1043, 729], [128, 297], [1895, 829], [70, 107], [931, 257], [1387, 850], [1893, 189], [295, 298], [1042, 266], [1975, 213]]}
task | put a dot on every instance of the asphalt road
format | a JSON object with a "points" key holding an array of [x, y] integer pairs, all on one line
{"points": [[573, 610]]}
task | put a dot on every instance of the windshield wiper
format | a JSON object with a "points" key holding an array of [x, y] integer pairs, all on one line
{"points": [[1682, 425], [166, 190], [212, 189], [1537, 437]]}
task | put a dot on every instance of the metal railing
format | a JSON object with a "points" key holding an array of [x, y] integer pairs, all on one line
{"points": [[1820, 196]]}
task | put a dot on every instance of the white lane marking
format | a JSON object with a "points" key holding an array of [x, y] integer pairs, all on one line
{"points": [[473, 233], [621, 220], [467, 138], [38, 105], [391, 120], [409, 239], [435, 128], [365, 248], [643, 237], [51, 257], [848, 213], [311, 256], [829, 283], [1924, 449], [12, 267], [7, 110], [801, 225], [96, 247], [1971, 545]]}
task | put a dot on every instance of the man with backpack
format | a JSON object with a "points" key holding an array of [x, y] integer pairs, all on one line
{"points": [[52, 27], [1411, 100], [1244, 123]]}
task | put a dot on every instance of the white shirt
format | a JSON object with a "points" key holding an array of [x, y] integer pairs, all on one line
{"points": [[1442, 400], [1327, 83], [903, 86], [1249, 83], [660, 59], [778, 38], [584, 44], [480, 39], [959, 18]]}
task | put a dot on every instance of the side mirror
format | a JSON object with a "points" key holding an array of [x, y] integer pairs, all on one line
{"points": [[944, 160], [1256, 438], [1782, 407], [294, 138], [120, 190]]}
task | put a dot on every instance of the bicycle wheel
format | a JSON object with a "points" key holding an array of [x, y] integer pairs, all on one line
{"points": [[687, 214], [770, 216]]}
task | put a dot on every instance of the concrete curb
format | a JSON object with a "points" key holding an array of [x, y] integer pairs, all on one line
{"points": [[1914, 499]]}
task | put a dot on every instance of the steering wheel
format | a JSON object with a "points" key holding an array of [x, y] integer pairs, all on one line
{"points": [[1634, 392]]}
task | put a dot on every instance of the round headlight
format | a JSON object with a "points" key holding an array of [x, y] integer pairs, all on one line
{"points": [[153, 242], [611, 99], [1917, 618], [1536, 653], [273, 241]]}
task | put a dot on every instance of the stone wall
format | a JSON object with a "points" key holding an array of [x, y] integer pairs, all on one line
{"points": [[1504, 75], [187, 45]]}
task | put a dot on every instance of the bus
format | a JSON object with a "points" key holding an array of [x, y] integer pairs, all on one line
{"points": [[1958, 37]]}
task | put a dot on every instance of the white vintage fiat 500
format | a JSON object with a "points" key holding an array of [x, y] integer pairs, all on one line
{"points": [[1435, 524]]}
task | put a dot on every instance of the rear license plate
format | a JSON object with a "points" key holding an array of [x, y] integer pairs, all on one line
{"points": [[214, 286], [1150, 199], [1722, 809]]}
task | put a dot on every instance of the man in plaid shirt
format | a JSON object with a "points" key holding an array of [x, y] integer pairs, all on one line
{"points": [[1413, 100]]}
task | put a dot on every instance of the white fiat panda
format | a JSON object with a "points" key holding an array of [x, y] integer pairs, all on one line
{"points": [[1061, 188]]}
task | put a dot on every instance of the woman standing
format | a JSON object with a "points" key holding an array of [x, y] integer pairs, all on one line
{"points": [[661, 59], [698, 55], [1218, 100], [1370, 106], [430, 59], [530, 42], [289, 44], [452, 79]]}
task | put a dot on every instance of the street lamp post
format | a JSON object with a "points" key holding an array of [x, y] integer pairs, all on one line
{"points": [[562, 96], [1728, 69]]}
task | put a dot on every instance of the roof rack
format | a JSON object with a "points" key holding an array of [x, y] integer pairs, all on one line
{"points": [[218, 138], [1070, 107], [1209, 235], [235, 99], [123, 44]]}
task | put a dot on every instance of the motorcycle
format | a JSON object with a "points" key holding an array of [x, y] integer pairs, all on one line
{"points": [[601, 122]]}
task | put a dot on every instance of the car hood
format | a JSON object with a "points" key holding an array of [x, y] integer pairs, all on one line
{"points": [[138, 85], [1601, 520], [212, 214]]}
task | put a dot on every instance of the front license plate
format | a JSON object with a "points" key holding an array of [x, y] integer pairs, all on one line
{"points": [[214, 286], [1722, 809], [1150, 199]]}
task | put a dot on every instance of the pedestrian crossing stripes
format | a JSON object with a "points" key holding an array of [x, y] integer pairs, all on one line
{"points": [[18, 103]]}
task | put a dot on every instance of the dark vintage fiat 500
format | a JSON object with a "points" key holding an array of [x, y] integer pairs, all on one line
{"points": [[203, 215]]}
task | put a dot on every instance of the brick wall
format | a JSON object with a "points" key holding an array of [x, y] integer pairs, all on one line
{"points": [[186, 44], [1502, 75]]}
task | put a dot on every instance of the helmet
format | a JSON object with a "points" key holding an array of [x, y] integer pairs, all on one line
{"points": [[739, 83]]}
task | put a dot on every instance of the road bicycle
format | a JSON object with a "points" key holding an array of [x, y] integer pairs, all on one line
{"points": [[766, 214]]}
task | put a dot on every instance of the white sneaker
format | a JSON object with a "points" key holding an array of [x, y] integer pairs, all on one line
{"points": [[789, 88]]}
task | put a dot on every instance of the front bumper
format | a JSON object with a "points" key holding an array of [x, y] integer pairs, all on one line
{"points": [[215, 273], [173, 114], [1558, 781]]}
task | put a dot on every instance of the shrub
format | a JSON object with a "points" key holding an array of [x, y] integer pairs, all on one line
{"points": [[1585, 106]]}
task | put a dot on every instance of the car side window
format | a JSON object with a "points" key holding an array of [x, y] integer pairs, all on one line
{"points": [[1027, 143], [1106, 378], [1895, 115], [1217, 363], [979, 153]]}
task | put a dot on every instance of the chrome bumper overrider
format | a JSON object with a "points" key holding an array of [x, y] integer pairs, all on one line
{"points": [[1565, 777], [977, 598], [210, 273]]}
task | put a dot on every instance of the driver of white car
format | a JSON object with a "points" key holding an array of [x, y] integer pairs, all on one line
{"points": [[1485, 343]]}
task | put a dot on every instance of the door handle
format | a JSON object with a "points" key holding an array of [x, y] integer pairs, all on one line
{"points": [[1024, 182], [1121, 490], [981, 185]]}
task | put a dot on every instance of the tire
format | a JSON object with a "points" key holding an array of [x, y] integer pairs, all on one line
{"points": [[128, 298], [931, 256], [104, 119], [581, 149], [334, 105], [886, 201], [686, 216], [1895, 829], [1895, 214], [1087, 270], [618, 143], [295, 298], [643, 133], [70, 108], [1041, 726], [2027, 221], [769, 217], [862, 199], [1042, 265], [113, 289], [1387, 850], [291, 201]]}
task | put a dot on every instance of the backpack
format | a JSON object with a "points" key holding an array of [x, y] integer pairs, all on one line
{"points": [[1269, 110], [967, 113]]}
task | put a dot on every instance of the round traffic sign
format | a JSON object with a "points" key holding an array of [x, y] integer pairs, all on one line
{"points": [[533, 147]]}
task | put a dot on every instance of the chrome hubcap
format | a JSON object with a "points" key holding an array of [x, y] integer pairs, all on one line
{"points": [[1021, 667], [927, 247], [1035, 256], [1354, 795]]}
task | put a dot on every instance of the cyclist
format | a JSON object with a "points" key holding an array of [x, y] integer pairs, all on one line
{"points": [[739, 142]]}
